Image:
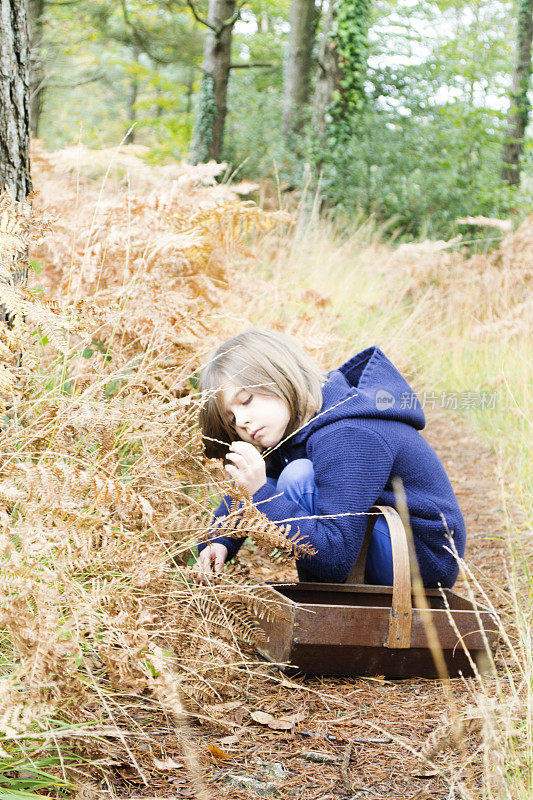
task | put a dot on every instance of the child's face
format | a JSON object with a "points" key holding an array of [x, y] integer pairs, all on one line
{"points": [[257, 418]]}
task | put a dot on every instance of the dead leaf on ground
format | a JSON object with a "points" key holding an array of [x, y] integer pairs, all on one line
{"points": [[167, 763], [218, 708], [227, 741], [218, 753], [284, 723]]}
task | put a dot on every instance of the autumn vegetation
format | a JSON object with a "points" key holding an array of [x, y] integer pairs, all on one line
{"points": [[135, 272]]}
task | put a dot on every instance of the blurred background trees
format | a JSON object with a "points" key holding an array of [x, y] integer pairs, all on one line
{"points": [[414, 111]]}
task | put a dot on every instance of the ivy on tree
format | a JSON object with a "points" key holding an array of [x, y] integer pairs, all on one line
{"points": [[350, 37]]}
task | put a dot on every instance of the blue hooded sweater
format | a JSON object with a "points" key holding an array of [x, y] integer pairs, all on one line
{"points": [[366, 434]]}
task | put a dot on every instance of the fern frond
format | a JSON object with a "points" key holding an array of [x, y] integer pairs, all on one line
{"points": [[245, 519], [263, 602], [227, 618], [6, 379], [12, 299], [12, 241], [52, 325], [10, 493]]}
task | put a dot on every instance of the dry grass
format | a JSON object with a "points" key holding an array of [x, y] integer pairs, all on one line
{"points": [[460, 327], [103, 485]]}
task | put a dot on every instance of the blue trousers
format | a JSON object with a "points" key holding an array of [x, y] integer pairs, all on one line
{"points": [[297, 482]]}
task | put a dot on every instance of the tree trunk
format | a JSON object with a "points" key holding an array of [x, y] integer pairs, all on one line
{"points": [[328, 75], [132, 98], [518, 114], [211, 114], [303, 22], [340, 86], [14, 99], [190, 87], [37, 81]]}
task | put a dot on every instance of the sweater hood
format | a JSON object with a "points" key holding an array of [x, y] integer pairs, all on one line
{"points": [[367, 386]]}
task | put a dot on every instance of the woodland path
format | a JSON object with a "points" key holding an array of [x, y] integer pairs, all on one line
{"points": [[272, 763]]}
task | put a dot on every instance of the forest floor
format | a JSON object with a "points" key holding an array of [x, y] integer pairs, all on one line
{"points": [[355, 738], [159, 268]]}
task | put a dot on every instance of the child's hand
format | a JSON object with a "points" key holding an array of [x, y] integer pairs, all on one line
{"points": [[214, 552], [247, 468]]}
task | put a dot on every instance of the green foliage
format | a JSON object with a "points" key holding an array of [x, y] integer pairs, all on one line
{"points": [[428, 149], [415, 130], [253, 141], [94, 52], [206, 115], [349, 36], [428, 178], [26, 766]]}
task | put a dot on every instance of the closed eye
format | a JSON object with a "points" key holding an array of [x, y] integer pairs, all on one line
{"points": [[231, 417]]}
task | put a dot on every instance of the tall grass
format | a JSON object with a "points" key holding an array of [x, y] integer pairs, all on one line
{"points": [[455, 324]]}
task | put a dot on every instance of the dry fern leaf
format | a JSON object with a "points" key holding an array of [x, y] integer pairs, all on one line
{"points": [[238, 217], [260, 600], [184, 241], [12, 299], [12, 242], [51, 325], [6, 379], [264, 603], [244, 519], [10, 493], [225, 618]]}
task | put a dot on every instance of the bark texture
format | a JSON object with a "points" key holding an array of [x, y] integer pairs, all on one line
{"points": [[14, 99], [303, 22], [328, 75], [211, 114], [37, 76], [518, 115], [132, 97]]}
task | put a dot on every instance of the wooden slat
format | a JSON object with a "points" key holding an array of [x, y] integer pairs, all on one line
{"points": [[401, 611], [363, 626]]}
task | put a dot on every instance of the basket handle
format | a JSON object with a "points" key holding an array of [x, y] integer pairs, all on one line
{"points": [[401, 612]]}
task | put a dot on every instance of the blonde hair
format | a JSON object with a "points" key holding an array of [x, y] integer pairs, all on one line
{"points": [[266, 362]]}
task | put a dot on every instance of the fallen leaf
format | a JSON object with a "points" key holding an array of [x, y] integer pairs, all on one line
{"points": [[167, 763], [298, 717], [220, 707], [262, 717], [227, 741], [217, 752], [284, 723]]}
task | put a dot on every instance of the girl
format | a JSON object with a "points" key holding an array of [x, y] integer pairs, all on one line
{"points": [[318, 450]]}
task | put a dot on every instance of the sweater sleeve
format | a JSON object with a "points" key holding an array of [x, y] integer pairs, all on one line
{"points": [[352, 465], [233, 545]]}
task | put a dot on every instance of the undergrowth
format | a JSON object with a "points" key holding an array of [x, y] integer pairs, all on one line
{"points": [[104, 489]]}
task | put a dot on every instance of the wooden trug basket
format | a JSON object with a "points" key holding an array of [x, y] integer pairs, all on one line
{"points": [[359, 629]]}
